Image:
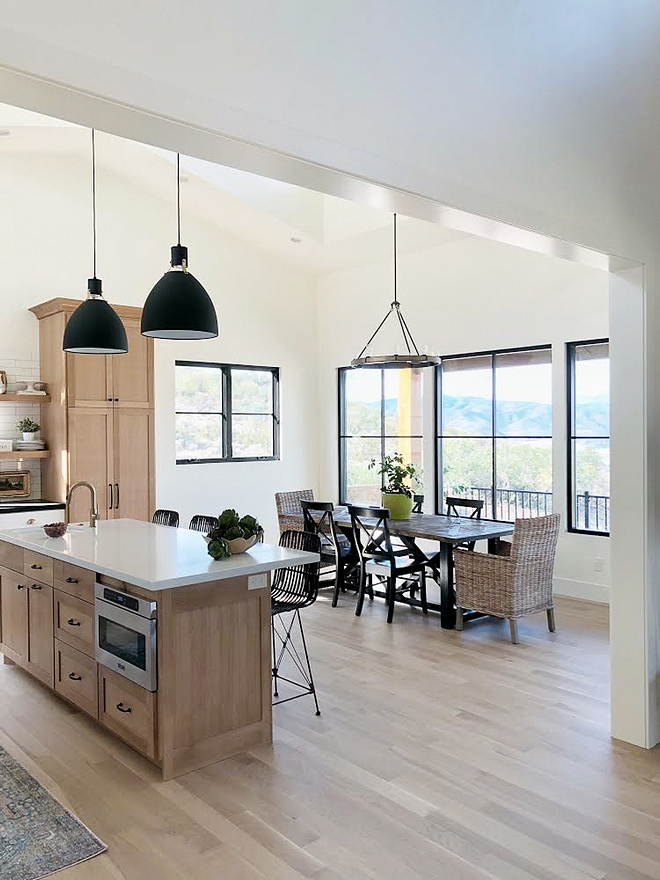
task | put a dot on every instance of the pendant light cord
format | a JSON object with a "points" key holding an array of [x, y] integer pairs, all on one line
{"points": [[94, 196], [396, 301], [178, 200]]}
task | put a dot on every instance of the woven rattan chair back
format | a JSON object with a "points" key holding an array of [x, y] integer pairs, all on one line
{"points": [[474, 504], [533, 547], [296, 587], [166, 518], [289, 510], [202, 523], [371, 533]]}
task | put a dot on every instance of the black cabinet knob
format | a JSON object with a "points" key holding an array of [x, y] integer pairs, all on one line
{"points": [[20, 586]]}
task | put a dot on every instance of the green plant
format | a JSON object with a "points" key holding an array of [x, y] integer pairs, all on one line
{"points": [[229, 527], [27, 426], [397, 474]]}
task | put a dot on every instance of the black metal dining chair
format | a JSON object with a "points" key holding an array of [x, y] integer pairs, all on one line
{"points": [[336, 549], [166, 518], [371, 535], [202, 523], [292, 590]]}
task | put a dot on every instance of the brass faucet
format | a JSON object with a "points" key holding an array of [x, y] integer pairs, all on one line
{"points": [[94, 510]]}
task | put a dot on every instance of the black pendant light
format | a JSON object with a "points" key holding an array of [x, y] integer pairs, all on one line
{"points": [[412, 357], [95, 327], [178, 307]]}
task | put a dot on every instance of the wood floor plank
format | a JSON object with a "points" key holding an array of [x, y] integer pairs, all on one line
{"points": [[438, 755]]}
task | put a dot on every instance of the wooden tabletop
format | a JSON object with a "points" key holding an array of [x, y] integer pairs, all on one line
{"points": [[438, 527]]}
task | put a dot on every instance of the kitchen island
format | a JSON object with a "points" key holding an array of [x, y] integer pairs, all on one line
{"points": [[210, 693]]}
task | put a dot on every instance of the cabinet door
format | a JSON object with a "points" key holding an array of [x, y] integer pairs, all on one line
{"points": [[89, 379], [91, 458], [40, 632], [13, 611], [132, 379], [133, 462]]}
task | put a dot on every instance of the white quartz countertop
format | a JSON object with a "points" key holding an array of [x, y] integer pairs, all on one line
{"points": [[150, 556]]}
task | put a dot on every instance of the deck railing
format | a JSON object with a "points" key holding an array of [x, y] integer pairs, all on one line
{"points": [[593, 511]]}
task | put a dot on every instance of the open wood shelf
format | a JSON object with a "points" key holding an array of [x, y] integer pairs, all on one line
{"points": [[24, 453], [24, 398]]}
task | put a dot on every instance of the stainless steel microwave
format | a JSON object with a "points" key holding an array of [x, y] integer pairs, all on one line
{"points": [[125, 633]]}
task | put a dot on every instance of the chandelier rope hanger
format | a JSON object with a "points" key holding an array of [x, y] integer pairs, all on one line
{"points": [[95, 327], [412, 356], [178, 307]]}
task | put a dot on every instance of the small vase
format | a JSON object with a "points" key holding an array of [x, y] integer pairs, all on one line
{"points": [[29, 435], [399, 505]]}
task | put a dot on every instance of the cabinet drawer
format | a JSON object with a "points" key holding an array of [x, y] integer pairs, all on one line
{"points": [[76, 678], [11, 556], [74, 622], [38, 566], [74, 580], [128, 710]]}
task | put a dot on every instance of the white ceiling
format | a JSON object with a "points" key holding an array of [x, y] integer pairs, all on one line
{"points": [[314, 232]]}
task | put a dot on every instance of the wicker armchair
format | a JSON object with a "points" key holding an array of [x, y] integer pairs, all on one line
{"points": [[514, 584], [289, 511]]}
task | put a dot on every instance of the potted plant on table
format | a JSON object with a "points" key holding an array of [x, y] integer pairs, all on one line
{"points": [[233, 534], [28, 428], [399, 477]]}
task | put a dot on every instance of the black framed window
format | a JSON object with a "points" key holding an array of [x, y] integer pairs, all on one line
{"points": [[226, 412], [494, 430], [588, 374], [380, 412]]}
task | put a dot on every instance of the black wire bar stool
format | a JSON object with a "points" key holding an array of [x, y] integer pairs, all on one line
{"points": [[292, 590]]}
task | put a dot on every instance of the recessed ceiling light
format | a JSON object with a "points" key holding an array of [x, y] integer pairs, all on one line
{"points": [[295, 239], [4, 132]]}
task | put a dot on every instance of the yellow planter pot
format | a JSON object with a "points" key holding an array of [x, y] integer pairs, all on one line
{"points": [[399, 506]]}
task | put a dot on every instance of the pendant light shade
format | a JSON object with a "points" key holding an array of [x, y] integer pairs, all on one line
{"points": [[178, 306], [95, 327], [411, 357]]}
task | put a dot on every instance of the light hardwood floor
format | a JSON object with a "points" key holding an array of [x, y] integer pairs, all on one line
{"points": [[444, 755]]}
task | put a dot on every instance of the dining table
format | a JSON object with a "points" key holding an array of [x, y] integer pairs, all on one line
{"points": [[449, 532]]}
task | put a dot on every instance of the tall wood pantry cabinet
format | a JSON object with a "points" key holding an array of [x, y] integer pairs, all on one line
{"points": [[99, 425]]}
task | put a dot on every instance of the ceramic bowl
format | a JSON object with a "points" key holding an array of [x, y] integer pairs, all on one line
{"points": [[55, 530], [240, 545]]}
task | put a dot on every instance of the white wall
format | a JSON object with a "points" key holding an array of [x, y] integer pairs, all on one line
{"points": [[467, 296], [266, 311]]}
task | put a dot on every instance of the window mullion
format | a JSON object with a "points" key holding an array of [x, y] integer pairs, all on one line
{"points": [[227, 408]]}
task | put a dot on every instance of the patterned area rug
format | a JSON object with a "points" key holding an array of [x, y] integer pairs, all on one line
{"points": [[37, 835]]}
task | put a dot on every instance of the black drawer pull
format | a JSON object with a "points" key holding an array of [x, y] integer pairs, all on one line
{"points": [[74, 677], [36, 567], [72, 580], [120, 706], [20, 586], [73, 622], [36, 587]]}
